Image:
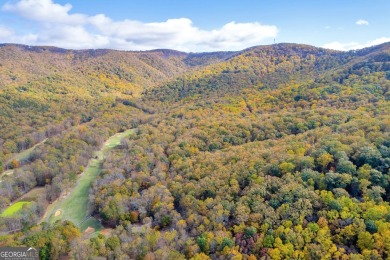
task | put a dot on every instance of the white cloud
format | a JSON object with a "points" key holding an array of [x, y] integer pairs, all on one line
{"points": [[8, 35], [361, 22], [5, 32], [45, 11], [354, 45], [182, 34], [71, 36], [57, 26]]}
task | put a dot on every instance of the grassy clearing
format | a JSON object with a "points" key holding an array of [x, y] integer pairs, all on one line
{"points": [[22, 156], [26, 154], [115, 140], [75, 206], [33, 194], [14, 208], [26, 199]]}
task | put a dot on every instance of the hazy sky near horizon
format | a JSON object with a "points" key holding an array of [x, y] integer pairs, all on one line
{"points": [[190, 25]]}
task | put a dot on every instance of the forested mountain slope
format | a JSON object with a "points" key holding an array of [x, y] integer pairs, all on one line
{"points": [[274, 152], [269, 67], [44, 89]]}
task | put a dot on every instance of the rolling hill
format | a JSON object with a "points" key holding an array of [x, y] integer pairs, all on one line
{"points": [[272, 152]]}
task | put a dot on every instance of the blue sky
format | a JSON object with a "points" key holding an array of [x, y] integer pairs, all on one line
{"points": [[190, 25]]}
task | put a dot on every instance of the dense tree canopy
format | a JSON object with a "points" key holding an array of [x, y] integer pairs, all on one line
{"points": [[278, 152]]}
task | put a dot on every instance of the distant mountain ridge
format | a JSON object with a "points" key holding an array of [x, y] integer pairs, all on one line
{"points": [[31, 77], [104, 71], [269, 67], [273, 152]]}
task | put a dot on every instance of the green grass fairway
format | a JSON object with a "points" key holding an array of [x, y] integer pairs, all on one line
{"points": [[26, 154], [75, 206], [22, 156], [11, 210], [115, 140]]}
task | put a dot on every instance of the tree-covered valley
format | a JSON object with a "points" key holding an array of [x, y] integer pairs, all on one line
{"points": [[272, 152]]}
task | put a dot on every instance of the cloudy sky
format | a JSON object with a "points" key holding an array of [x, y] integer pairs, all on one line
{"points": [[194, 25]]}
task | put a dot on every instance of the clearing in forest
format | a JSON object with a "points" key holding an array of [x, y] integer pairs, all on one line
{"points": [[25, 154], [22, 156], [74, 207], [14, 208]]}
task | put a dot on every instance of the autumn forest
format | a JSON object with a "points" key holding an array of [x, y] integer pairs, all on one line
{"points": [[273, 152]]}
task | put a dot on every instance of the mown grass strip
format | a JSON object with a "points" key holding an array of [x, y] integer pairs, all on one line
{"points": [[14, 208], [75, 206]]}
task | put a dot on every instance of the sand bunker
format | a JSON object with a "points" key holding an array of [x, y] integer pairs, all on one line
{"points": [[106, 231], [58, 212], [89, 230]]}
